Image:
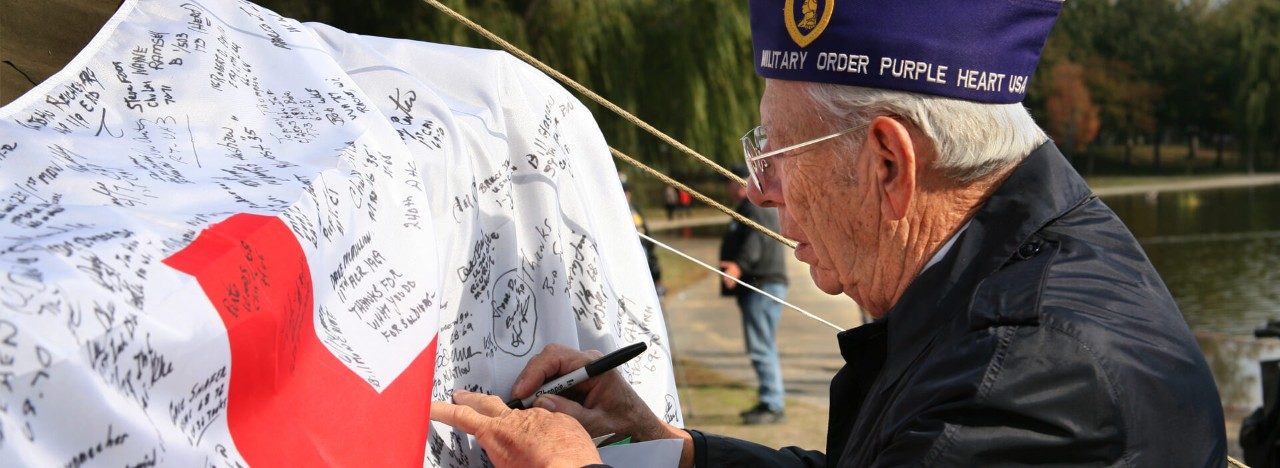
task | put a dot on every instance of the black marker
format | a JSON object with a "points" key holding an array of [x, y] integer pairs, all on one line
{"points": [[592, 369]]}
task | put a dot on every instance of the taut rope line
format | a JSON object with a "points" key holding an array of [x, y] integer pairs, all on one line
{"points": [[703, 198], [736, 280]]}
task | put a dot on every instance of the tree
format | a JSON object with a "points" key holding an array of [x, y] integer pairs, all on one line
{"points": [[1073, 117], [1152, 36], [1259, 65], [1126, 103]]}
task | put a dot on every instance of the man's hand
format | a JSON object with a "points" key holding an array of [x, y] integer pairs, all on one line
{"points": [[604, 404], [608, 403], [731, 269], [510, 437]]}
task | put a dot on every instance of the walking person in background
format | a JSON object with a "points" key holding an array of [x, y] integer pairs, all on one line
{"points": [[671, 201], [686, 203], [748, 255]]}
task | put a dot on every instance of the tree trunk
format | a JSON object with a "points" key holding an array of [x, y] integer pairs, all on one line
{"points": [[1155, 150], [1250, 149], [1193, 145], [1222, 141], [1275, 154], [1128, 151], [1193, 142]]}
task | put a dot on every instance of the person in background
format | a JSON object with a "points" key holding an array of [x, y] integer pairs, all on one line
{"points": [[637, 218], [686, 204], [670, 201], [750, 256]]}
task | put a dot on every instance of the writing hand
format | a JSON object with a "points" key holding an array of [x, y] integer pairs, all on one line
{"points": [[534, 437], [603, 404]]}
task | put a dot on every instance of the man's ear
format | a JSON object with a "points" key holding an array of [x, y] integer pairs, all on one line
{"points": [[895, 165]]}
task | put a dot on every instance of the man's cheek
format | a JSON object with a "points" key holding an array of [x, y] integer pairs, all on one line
{"points": [[802, 201], [799, 187], [785, 221], [822, 230]]}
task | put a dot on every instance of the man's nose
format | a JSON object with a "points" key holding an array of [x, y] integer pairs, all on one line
{"points": [[770, 197]]}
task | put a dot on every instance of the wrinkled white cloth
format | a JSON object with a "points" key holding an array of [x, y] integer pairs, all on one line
{"points": [[439, 195]]}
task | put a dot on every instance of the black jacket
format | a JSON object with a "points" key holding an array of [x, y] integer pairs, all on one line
{"points": [[762, 259], [1043, 336]]}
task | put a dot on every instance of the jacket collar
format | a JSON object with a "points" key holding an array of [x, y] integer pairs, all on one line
{"points": [[1042, 188]]}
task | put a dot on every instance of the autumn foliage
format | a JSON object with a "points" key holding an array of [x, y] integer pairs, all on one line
{"points": [[1073, 117]]}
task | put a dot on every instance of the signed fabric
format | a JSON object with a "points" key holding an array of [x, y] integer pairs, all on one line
{"points": [[230, 238]]}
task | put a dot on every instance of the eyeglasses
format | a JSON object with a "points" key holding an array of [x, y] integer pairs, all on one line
{"points": [[756, 139]]}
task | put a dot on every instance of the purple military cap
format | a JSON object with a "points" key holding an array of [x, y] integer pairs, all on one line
{"points": [[976, 50]]}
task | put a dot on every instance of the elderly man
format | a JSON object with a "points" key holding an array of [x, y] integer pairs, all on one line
{"points": [[1018, 321]]}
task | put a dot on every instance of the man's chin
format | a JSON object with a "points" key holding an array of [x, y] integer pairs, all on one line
{"points": [[826, 281]]}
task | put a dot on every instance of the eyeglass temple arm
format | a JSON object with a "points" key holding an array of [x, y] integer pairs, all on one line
{"points": [[807, 143]]}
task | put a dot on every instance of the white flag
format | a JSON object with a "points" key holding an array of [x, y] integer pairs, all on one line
{"points": [[232, 239]]}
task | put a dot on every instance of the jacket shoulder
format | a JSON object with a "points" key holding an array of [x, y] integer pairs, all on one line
{"points": [[1086, 287], [1081, 267]]}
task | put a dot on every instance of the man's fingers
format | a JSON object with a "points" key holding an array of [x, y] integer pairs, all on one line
{"points": [[536, 371], [553, 361], [459, 417], [487, 405], [559, 404]]}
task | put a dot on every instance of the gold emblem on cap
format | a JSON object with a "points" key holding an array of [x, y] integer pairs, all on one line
{"points": [[809, 21]]}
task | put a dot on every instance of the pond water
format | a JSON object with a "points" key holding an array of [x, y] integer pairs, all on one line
{"points": [[1217, 250]]}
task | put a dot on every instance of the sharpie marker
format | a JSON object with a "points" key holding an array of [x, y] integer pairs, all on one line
{"points": [[592, 369]]}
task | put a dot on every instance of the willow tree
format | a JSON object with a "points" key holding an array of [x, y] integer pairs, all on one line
{"points": [[1257, 96], [682, 65]]}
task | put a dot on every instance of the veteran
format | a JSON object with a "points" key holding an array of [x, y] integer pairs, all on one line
{"points": [[1017, 319]]}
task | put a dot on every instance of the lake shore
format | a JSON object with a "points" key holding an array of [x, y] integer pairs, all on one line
{"points": [[1109, 186], [1103, 186]]}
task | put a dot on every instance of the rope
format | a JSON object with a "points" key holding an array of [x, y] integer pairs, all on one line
{"points": [[703, 198], [748, 285], [513, 50]]}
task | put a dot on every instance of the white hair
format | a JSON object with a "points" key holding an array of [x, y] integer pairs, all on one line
{"points": [[973, 140]]}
